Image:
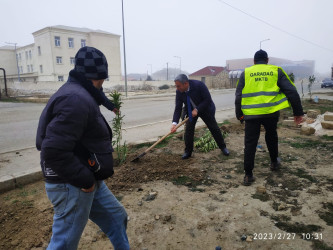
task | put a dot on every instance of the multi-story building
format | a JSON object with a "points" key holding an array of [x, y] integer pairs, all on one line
{"points": [[51, 56]]}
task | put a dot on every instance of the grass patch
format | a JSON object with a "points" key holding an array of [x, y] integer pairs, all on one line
{"points": [[24, 193], [264, 213], [223, 123], [292, 184], [7, 198], [262, 197], [10, 99], [119, 197], [191, 183], [239, 167], [327, 216], [327, 138], [27, 203], [195, 189], [323, 105], [133, 148], [290, 158], [185, 181], [164, 142], [303, 174], [309, 144], [298, 228], [320, 245], [280, 217]]}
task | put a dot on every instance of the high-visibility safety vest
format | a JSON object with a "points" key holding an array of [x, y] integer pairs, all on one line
{"points": [[261, 94]]}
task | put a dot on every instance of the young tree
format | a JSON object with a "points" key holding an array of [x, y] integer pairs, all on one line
{"points": [[117, 123], [311, 81]]}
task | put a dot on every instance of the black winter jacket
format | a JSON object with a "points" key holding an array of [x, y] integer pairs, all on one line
{"points": [[72, 130]]}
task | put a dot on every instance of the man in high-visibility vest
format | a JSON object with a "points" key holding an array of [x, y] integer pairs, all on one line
{"points": [[261, 92]]}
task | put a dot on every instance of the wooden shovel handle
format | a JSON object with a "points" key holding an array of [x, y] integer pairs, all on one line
{"points": [[178, 125]]}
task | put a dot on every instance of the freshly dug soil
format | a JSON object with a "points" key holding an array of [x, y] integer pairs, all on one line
{"points": [[200, 203]]}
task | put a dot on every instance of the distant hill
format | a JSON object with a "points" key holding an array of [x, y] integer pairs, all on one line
{"points": [[161, 75]]}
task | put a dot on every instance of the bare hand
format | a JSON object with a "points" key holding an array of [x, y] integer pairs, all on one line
{"points": [[298, 119], [116, 111], [89, 190], [194, 112], [173, 128]]}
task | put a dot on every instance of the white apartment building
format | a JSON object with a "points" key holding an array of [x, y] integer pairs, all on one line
{"points": [[51, 56]]}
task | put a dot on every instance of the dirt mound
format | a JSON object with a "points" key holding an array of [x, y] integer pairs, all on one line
{"points": [[153, 167]]}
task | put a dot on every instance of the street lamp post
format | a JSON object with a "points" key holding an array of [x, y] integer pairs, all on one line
{"points": [[167, 71], [180, 63], [263, 41], [122, 9], [151, 69], [18, 69]]}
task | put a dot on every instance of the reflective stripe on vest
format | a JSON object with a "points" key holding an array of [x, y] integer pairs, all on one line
{"points": [[260, 94]]}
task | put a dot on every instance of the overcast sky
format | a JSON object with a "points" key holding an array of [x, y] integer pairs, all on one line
{"points": [[199, 32]]}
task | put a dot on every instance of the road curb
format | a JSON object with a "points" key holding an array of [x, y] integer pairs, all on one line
{"points": [[9, 182]]}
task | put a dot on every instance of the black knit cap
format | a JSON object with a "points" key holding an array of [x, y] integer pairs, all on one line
{"points": [[260, 55], [92, 63]]}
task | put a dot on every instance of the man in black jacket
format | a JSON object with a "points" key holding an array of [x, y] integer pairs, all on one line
{"points": [[76, 156], [198, 102], [261, 92]]}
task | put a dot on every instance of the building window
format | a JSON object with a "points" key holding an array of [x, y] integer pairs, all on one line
{"points": [[28, 68], [57, 41], [39, 51], [26, 55], [20, 58], [31, 68], [71, 42], [60, 78], [83, 43], [72, 60], [41, 68], [30, 54], [59, 60]]}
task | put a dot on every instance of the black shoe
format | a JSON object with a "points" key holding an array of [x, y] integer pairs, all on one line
{"points": [[225, 151], [186, 156], [248, 180], [276, 165]]}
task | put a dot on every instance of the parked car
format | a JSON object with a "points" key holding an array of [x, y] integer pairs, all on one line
{"points": [[327, 84]]}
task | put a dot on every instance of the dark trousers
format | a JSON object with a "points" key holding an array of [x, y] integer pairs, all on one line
{"points": [[252, 134], [211, 123]]}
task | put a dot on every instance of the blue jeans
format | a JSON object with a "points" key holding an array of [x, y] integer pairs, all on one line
{"points": [[72, 209]]}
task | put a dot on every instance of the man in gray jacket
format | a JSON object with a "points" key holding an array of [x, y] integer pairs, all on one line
{"points": [[76, 156]]}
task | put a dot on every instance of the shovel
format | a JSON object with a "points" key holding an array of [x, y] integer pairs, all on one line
{"points": [[152, 146]]}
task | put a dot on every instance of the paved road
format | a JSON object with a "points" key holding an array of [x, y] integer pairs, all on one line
{"points": [[145, 118]]}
